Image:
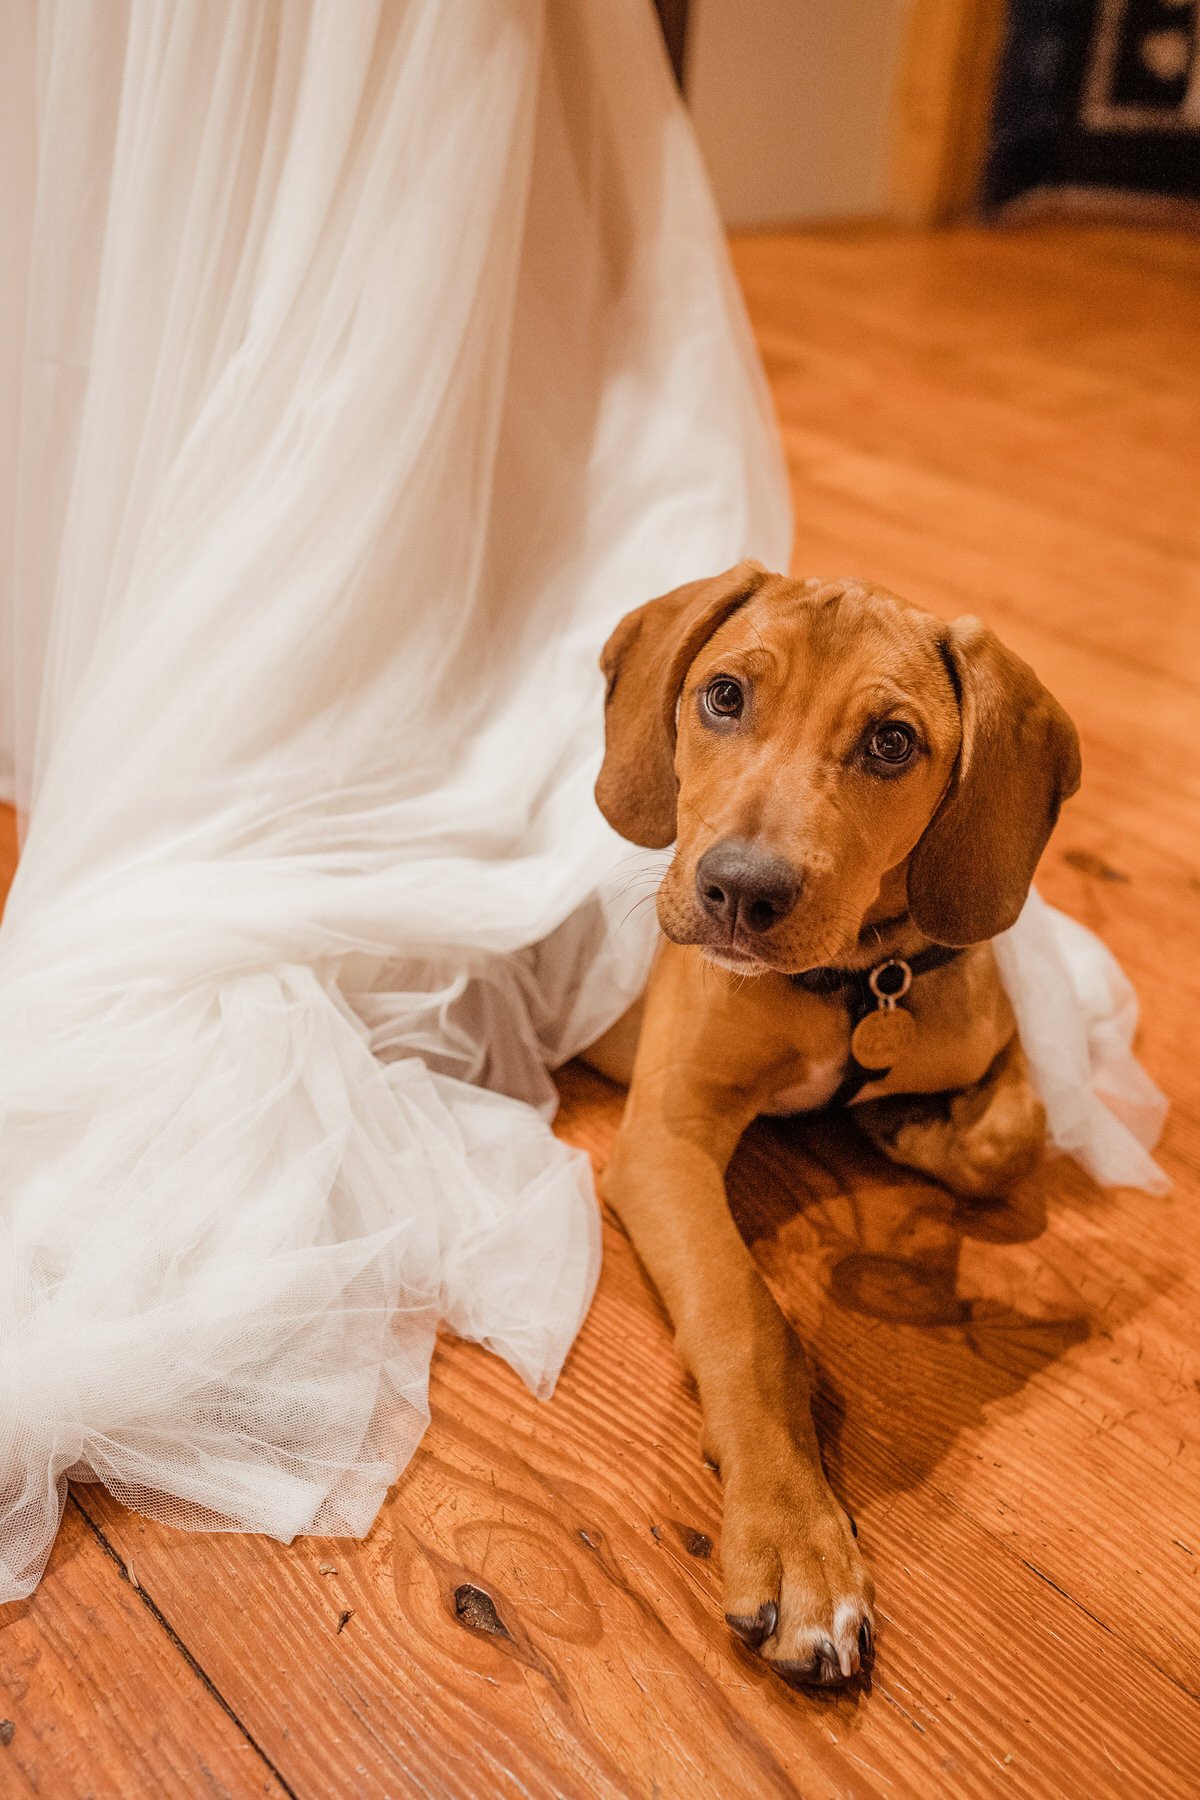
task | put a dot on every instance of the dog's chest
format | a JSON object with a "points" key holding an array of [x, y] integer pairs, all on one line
{"points": [[962, 1018], [820, 1084]]}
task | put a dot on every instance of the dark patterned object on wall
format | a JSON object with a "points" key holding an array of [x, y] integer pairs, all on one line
{"points": [[1143, 70], [1098, 93]]}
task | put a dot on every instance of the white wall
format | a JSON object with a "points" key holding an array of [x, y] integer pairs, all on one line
{"points": [[792, 104]]}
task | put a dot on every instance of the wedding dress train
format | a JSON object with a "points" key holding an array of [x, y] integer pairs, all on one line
{"points": [[361, 361]]}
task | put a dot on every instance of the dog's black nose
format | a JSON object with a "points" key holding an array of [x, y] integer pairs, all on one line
{"points": [[741, 885]]}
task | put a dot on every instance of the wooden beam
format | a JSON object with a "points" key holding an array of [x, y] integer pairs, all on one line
{"points": [[943, 108]]}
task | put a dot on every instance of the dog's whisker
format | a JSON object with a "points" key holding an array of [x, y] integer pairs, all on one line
{"points": [[627, 888], [645, 899], [635, 880]]}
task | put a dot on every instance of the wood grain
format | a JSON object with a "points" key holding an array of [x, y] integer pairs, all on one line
{"points": [[99, 1699], [1009, 1397]]}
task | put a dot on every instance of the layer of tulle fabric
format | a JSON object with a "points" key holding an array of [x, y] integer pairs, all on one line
{"points": [[1077, 1016], [235, 1330]]}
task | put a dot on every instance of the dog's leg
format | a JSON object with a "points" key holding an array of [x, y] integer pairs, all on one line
{"points": [[979, 1141], [796, 1588]]}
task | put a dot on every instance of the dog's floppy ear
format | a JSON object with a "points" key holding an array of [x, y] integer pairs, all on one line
{"points": [[645, 662], [970, 873]]}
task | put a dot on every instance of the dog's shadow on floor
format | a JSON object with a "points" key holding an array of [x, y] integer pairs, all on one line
{"points": [[925, 1307]]}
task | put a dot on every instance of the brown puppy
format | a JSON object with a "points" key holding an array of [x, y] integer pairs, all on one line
{"points": [[851, 785]]}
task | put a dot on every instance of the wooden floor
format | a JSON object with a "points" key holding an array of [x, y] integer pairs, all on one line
{"points": [[1010, 1399]]}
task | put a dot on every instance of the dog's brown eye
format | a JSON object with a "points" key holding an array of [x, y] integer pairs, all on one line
{"points": [[724, 697], [893, 742]]}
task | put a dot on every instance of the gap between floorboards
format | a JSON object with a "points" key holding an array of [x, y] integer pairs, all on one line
{"points": [[178, 1644]]}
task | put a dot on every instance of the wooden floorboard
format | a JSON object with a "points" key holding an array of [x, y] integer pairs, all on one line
{"points": [[99, 1697], [1009, 1398]]}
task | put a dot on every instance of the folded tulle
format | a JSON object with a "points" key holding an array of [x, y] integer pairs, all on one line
{"points": [[1077, 1015], [234, 1331]]}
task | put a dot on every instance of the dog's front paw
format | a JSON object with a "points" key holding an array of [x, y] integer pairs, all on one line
{"points": [[796, 1588]]}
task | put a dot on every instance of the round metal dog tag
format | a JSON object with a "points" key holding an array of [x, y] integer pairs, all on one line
{"points": [[881, 1039]]}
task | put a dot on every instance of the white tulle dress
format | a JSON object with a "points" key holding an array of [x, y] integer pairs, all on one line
{"points": [[361, 361]]}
